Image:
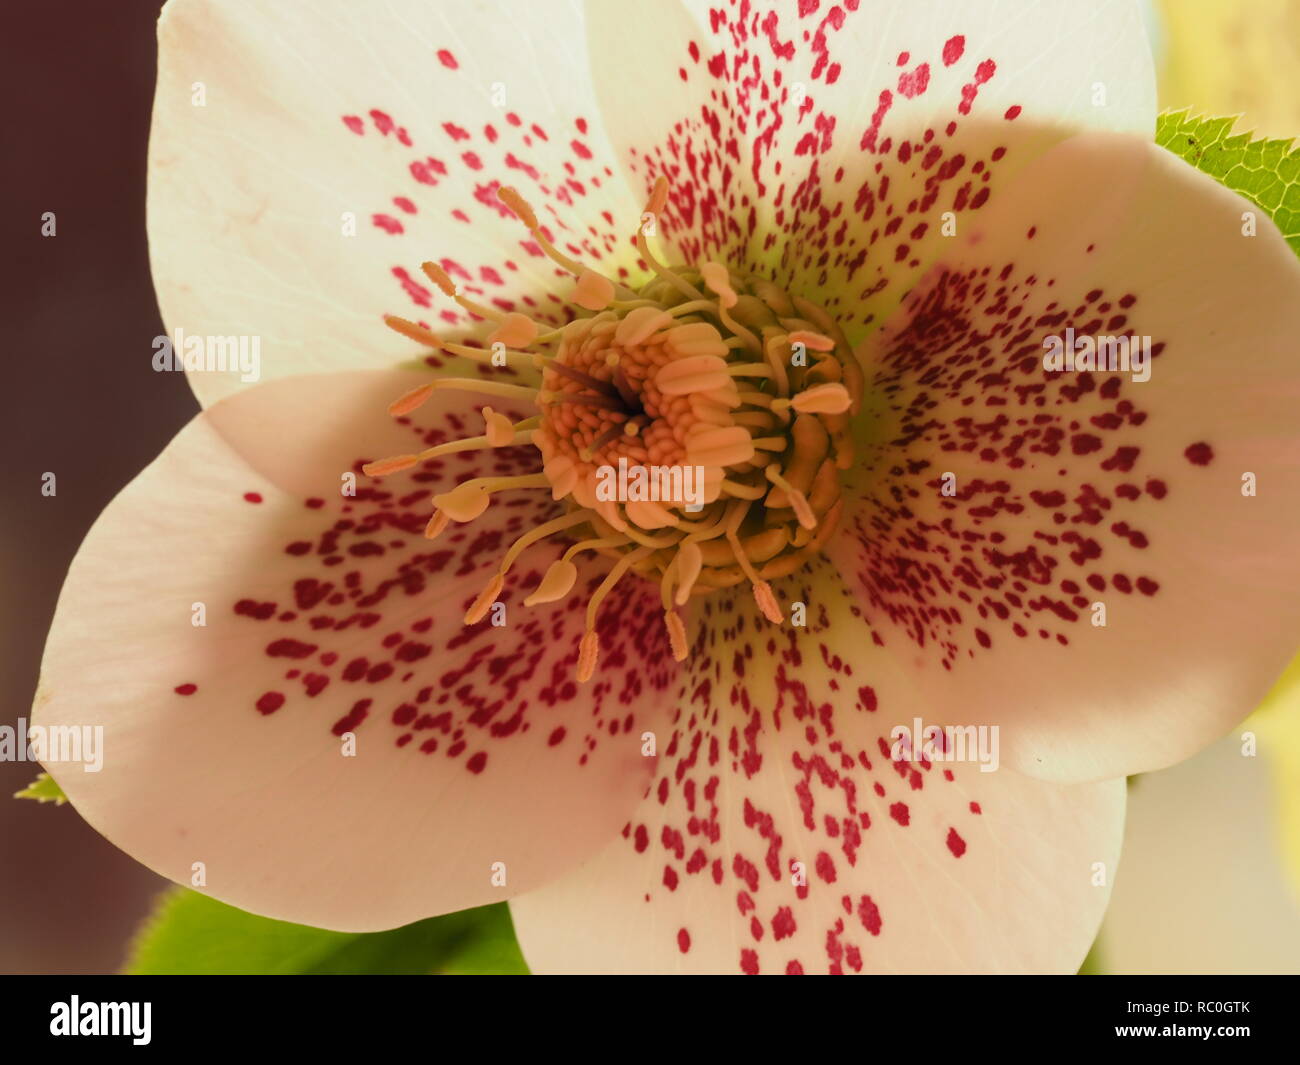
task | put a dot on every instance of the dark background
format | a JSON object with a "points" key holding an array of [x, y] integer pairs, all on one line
{"points": [[79, 318]]}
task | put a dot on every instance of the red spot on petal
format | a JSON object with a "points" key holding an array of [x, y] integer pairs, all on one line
{"points": [[270, 702], [955, 843]]}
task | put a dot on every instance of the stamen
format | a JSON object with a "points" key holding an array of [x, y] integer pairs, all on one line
{"points": [[383, 467], [749, 369], [469, 499], [812, 341], [593, 291], [692, 369], [462, 505], [676, 635], [766, 601], [776, 363], [541, 532], [820, 399], [590, 649], [697, 373], [798, 501], [412, 400], [511, 198], [633, 330], [436, 525], [654, 206], [556, 584], [491, 388], [412, 331], [500, 431], [719, 281], [439, 277], [720, 447], [486, 598], [588, 652], [689, 563], [515, 331]]}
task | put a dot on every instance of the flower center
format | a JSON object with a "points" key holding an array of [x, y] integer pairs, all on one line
{"points": [[693, 430]]}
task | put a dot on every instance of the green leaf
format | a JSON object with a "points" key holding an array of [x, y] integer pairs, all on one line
{"points": [[191, 933], [1092, 964], [43, 789], [1265, 171]]}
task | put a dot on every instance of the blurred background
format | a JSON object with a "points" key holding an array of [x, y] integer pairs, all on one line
{"points": [[1210, 880]]}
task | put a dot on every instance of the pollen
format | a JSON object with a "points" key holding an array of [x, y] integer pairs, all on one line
{"points": [[693, 373]]}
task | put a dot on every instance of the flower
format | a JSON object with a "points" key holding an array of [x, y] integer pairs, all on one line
{"points": [[1064, 555]]}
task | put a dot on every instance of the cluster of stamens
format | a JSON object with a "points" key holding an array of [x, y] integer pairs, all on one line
{"points": [[700, 368]]}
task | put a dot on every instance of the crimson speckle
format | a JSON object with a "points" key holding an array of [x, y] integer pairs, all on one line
{"points": [[253, 497], [955, 843], [869, 914], [288, 648], [270, 702], [186, 689], [1200, 454], [349, 721]]}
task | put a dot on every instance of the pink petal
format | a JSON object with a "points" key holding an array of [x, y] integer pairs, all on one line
{"points": [[1073, 489], [840, 133], [780, 754], [325, 615], [396, 115]]}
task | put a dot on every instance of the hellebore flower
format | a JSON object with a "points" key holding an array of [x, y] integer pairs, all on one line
{"points": [[827, 252]]}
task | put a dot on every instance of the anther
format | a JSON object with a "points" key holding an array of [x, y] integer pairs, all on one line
{"points": [[676, 635], [412, 400], [515, 331], [436, 525], [812, 341], [500, 430], [822, 399], [556, 584], [383, 467], [463, 503], [593, 291], [486, 598], [438, 276], [588, 652], [412, 331], [767, 602]]}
